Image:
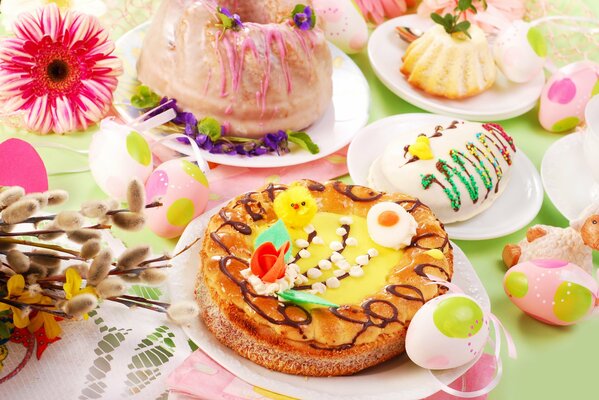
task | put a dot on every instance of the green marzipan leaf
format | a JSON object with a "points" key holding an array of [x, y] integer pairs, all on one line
{"points": [[464, 5], [298, 297], [303, 140]]}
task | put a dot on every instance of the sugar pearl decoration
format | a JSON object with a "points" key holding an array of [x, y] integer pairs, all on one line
{"points": [[294, 267], [356, 271], [373, 252], [341, 231], [336, 246], [346, 220], [344, 265], [301, 279], [319, 287], [362, 260], [351, 241], [317, 240], [314, 273], [338, 273], [309, 229], [302, 243], [333, 282], [304, 253], [324, 265], [336, 257]]}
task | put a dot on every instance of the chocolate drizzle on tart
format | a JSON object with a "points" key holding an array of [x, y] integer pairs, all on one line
{"points": [[371, 313]]}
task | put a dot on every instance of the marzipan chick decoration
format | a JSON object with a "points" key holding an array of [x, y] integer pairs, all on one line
{"points": [[295, 206]]}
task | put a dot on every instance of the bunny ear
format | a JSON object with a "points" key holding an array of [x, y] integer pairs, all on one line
{"points": [[591, 209]]}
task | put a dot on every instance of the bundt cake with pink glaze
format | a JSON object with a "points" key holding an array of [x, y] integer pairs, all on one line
{"points": [[265, 76]]}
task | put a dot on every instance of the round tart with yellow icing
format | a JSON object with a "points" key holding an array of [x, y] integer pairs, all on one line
{"points": [[319, 279]]}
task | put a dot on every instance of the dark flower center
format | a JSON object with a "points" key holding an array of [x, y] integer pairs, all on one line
{"points": [[58, 70]]}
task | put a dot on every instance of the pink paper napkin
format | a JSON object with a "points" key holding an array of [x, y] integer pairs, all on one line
{"points": [[200, 377]]}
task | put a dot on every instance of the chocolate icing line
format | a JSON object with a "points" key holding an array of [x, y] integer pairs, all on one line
{"points": [[347, 191]]}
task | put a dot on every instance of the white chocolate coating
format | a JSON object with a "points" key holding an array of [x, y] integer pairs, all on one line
{"points": [[469, 190]]}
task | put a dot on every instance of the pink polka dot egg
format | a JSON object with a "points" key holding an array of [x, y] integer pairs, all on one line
{"points": [[182, 188], [552, 291], [566, 94], [447, 332]]}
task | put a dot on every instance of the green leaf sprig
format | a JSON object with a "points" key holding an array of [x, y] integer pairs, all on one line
{"points": [[452, 23], [303, 140], [144, 97]]}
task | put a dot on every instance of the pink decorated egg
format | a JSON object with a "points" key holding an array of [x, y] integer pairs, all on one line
{"points": [[552, 291], [342, 24], [182, 188], [566, 94], [118, 154], [520, 52], [447, 332]]}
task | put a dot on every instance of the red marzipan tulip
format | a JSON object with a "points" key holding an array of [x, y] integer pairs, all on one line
{"points": [[268, 263]]}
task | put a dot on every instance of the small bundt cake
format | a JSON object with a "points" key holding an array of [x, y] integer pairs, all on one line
{"points": [[266, 76], [450, 65]]}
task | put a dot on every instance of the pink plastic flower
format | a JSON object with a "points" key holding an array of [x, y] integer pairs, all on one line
{"points": [[499, 13], [58, 71]]}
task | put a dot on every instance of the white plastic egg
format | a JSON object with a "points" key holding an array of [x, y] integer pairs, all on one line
{"points": [[447, 332], [520, 52], [182, 188], [118, 154], [390, 225]]}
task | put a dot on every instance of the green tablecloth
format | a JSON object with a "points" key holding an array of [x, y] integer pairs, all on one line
{"points": [[553, 363]]}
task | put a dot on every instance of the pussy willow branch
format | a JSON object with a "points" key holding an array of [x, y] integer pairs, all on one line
{"points": [[131, 304], [39, 245], [49, 231], [38, 307], [33, 220]]}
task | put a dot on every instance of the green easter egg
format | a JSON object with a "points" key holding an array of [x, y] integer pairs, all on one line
{"points": [[194, 171], [181, 212], [537, 42], [516, 284], [565, 124], [138, 148], [572, 301], [458, 317]]}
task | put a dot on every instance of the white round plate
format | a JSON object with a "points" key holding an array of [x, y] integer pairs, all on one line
{"points": [[398, 379], [502, 101], [566, 178], [519, 203], [335, 129]]}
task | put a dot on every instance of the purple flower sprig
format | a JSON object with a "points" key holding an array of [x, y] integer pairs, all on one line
{"points": [[229, 20], [303, 17]]}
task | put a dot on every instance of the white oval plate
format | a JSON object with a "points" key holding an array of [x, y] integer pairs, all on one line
{"points": [[398, 379], [519, 203], [335, 129], [502, 101], [566, 177]]}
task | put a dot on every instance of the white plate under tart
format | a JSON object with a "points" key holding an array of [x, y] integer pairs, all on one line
{"points": [[347, 113], [397, 379], [502, 101], [519, 203]]}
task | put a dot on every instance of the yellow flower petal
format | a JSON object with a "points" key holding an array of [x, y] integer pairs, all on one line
{"points": [[73, 283], [51, 326], [29, 298], [15, 285], [88, 289], [36, 323], [19, 319], [4, 307]]}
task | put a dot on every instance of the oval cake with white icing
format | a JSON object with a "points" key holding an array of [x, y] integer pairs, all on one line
{"points": [[319, 279], [458, 170]]}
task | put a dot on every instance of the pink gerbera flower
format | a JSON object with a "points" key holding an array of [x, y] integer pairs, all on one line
{"points": [[58, 71]]}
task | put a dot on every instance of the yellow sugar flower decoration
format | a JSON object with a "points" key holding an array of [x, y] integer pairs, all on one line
{"points": [[46, 320], [72, 286], [17, 292]]}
